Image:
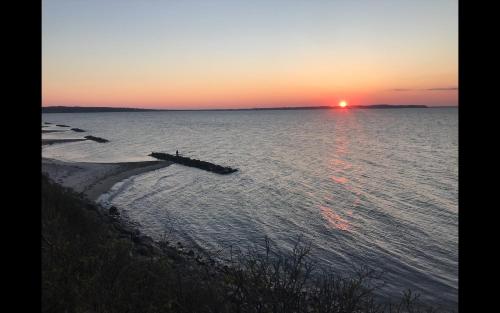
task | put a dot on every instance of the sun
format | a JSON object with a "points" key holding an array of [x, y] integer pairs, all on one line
{"points": [[342, 104]]}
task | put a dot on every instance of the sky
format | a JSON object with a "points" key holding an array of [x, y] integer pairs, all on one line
{"points": [[238, 54]]}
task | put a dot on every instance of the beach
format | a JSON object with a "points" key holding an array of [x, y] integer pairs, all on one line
{"points": [[90, 178], [94, 179]]}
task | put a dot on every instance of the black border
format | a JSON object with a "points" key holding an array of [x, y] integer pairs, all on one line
{"points": [[476, 147], [21, 118]]}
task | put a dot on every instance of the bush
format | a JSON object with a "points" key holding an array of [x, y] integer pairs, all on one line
{"points": [[88, 266]]}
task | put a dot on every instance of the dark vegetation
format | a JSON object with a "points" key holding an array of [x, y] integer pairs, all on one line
{"points": [[327, 107], [90, 263], [207, 166], [78, 130], [97, 139], [389, 106], [66, 109]]}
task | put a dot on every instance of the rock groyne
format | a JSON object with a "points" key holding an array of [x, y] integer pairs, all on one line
{"points": [[207, 166], [97, 139]]}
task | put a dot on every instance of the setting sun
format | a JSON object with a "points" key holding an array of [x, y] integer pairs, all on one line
{"points": [[343, 104]]}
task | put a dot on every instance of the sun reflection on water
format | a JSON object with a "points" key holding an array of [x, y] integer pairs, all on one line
{"points": [[342, 171], [335, 220], [340, 180]]}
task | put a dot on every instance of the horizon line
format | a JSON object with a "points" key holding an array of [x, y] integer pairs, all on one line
{"points": [[372, 106], [248, 108]]}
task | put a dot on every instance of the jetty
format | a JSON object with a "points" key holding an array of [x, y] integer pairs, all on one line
{"points": [[97, 139], [207, 166]]}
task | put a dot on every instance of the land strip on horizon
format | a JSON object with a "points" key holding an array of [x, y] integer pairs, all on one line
{"points": [[80, 109]]}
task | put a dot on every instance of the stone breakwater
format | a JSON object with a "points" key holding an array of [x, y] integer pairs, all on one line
{"points": [[75, 129], [207, 166], [97, 139]]}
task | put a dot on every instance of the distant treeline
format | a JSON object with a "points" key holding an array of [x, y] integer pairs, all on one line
{"points": [[323, 107], [390, 106], [65, 109]]}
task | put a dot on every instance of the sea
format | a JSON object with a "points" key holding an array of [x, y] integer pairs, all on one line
{"points": [[373, 188]]}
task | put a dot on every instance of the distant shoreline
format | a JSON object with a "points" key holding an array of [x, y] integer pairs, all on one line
{"points": [[77, 109]]}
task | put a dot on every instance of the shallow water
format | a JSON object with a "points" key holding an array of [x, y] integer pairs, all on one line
{"points": [[365, 187]]}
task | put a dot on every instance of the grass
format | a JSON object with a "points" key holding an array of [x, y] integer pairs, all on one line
{"points": [[90, 266]]}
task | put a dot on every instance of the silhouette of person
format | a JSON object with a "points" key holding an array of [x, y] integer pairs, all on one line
{"points": [[176, 152]]}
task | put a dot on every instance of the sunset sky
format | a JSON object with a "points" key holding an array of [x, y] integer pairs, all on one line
{"points": [[236, 54]]}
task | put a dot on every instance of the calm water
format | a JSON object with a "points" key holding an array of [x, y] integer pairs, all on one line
{"points": [[366, 187]]}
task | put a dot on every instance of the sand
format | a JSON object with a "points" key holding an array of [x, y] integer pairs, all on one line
{"points": [[94, 179]]}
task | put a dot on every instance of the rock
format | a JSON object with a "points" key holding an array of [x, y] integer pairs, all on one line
{"points": [[190, 253], [144, 250], [146, 240], [146, 246], [136, 236], [207, 166], [113, 211], [91, 207], [172, 254], [96, 139], [129, 233]]}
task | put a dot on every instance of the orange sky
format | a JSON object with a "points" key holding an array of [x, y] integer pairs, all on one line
{"points": [[224, 55]]}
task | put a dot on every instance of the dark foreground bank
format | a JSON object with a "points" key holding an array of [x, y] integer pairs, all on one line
{"points": [[91, 262]]}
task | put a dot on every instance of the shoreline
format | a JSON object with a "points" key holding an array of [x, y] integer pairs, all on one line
{"points": [[90, 180], [95, 179]]}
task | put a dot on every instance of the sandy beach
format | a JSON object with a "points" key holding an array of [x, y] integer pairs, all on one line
{"points": [[94, 179], [91, 179]]}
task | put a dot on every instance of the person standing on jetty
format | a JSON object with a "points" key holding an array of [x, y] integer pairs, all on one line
{"points": [[176, 153]]}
